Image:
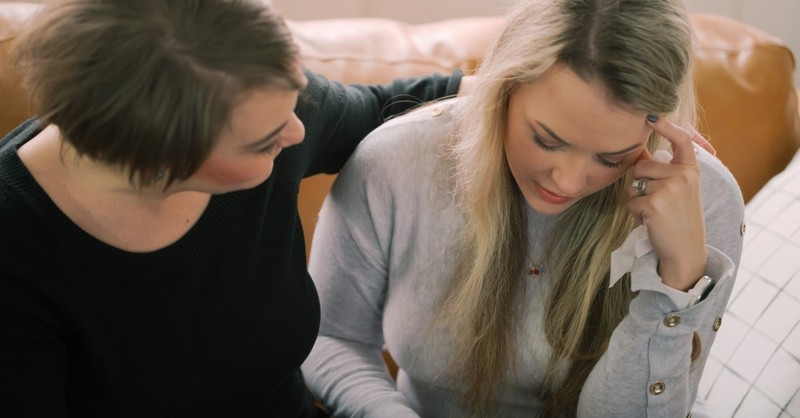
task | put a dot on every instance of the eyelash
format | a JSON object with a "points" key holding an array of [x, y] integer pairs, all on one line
{"points": [[268, 149], [548, 148], [542, 145], [609, 164]]}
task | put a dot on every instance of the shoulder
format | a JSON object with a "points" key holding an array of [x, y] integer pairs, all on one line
{"points": [[16, 221], [723, 205], [15, 179], [717, 182], [405, 156], [20, 194], [419, 133]]}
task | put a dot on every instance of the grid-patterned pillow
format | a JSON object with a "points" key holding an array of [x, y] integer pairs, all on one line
{"points": [[754, 367]]}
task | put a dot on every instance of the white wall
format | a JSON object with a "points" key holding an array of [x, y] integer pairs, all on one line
{"points": [[777, 17]]}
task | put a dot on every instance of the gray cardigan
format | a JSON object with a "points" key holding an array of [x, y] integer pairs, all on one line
{"points": [[384, 247]]}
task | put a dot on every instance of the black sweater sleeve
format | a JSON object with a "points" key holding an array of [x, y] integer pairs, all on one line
{"points": [[338, 116]]}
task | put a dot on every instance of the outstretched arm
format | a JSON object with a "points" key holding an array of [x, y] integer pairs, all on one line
{"points": [[337, 116], [349, 264]]}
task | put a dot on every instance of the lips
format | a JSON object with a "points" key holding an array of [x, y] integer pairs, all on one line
{"points": [[549, 196]]}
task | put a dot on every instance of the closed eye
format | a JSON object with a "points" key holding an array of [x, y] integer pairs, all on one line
{"points": [[552, 148], [610, 164], [540, 142], [269, 149]]}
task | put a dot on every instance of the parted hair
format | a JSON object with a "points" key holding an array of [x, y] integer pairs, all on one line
{"points": [[640, 52], [148, 85]]}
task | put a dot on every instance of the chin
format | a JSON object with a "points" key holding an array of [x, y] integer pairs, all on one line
{"points": [[230, 187], [250, 183], [546, 208]]}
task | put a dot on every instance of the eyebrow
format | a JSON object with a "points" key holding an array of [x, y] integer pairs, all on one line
{"points": [[557, 138], [268, 138]]}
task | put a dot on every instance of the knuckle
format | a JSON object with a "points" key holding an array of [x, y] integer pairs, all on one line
{"points": [[688, 176]]}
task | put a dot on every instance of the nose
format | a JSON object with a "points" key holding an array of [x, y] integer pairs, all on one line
{"points": [[294, 132], [569, 174]]}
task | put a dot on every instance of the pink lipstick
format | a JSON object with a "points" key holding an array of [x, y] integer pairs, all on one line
{"points": [[549, 196]]}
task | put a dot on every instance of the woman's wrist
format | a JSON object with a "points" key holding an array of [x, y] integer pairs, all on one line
{"points": [[681, 276]]}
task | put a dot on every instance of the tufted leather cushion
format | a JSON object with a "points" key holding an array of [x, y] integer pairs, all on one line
{"points": [[744, 83], [748, 106], [367, 50], [14, 107]]}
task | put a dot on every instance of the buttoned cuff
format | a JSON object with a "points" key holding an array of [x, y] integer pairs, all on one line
{"points": [[644, 276]]}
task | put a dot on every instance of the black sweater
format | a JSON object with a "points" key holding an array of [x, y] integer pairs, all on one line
{"points": [[216, 324]]}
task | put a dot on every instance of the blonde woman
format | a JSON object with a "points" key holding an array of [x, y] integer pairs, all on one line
{"points": [[474, 238]]}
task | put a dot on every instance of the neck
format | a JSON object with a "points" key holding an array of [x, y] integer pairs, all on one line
{"points": [[84, 175], [109, 179], [101, 200]]}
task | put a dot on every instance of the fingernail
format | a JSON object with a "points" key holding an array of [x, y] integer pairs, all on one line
{"points": [[652, 118]]}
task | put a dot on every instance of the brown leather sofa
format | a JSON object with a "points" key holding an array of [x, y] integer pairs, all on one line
{"points": [[748, 103]]}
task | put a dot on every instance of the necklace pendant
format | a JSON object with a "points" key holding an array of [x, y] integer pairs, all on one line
{"points": [[536, 270]]}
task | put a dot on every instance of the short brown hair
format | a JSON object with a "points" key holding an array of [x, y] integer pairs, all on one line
{"points": [[149, 84]]}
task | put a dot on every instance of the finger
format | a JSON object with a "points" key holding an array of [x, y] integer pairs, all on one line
{"points": [[638, 188], [645, 155], [636, 210], [682, 148], [656, 165], [651, 186]]}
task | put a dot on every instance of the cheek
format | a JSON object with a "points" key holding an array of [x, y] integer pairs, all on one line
{"points": [[604, 177], [524, 157], [528, 164]]}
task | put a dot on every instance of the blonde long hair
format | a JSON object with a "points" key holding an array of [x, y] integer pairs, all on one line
{"points": [[640, 51]]}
